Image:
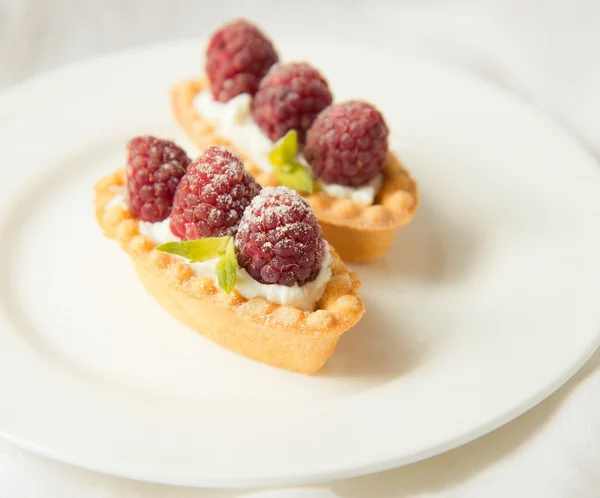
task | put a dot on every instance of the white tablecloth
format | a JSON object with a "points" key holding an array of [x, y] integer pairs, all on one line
{"points": [[544, 50]]}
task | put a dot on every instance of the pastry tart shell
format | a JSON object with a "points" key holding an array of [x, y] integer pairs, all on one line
{"points": [[359, 233], [278, 335]]}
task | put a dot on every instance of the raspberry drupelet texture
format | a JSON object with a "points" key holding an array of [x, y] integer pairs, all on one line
{"points": [[290, 97], [212, 196], [347, 144], [154, 169], [279, 240], [237, 57]]}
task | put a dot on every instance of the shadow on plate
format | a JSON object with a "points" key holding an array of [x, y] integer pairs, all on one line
{"points": [[429, 248], [376, 347]]}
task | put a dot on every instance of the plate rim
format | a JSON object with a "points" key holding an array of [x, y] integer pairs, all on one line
{"points": [[40, 80]]}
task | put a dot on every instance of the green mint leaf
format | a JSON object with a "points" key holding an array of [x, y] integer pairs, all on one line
{"points": [[295, 176], [226, 268], [197, 250], [285, 149], [286, 168]]}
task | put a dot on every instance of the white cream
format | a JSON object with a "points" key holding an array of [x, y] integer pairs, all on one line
{"points": [[303, 297], [119, 199], [159, 232], [233, 121], [364, 194]]}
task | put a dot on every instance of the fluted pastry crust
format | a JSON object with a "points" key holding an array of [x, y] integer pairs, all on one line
{"points": [[279, 335]]}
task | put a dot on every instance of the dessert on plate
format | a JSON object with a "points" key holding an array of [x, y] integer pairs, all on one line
{"points": [[243, 265], [282, 119]]}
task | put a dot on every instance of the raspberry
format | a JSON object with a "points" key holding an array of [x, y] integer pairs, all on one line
{"points": [[237, 57], [347, 144], [154, 169], [212, 196], [290, 97], [279, 240]]}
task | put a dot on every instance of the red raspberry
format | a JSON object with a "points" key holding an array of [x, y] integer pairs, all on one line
{"points": [[289, 98], [347, 144], [154, 169], [212, 196], [279, 240], [237, 57]]}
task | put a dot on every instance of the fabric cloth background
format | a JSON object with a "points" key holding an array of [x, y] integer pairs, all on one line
{"points": [[545, 51]]}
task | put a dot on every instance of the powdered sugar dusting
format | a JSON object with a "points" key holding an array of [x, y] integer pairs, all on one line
{"points": [[279, 239], [280, 200], [275, 202], [212, 196]]}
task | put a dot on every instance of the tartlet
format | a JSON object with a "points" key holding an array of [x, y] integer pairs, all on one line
{"points": [[360, 233], [279, 335]]}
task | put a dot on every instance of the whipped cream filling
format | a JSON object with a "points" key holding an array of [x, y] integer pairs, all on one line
{"points": [[119, 198], [303, 297], [365, 194], [233, 121]]}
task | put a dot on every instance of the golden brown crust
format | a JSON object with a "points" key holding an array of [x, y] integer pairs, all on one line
{"points": [[359, 233], [283, 336]]}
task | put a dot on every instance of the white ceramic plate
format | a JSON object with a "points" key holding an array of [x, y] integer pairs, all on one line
{"points": [[487, 303]]}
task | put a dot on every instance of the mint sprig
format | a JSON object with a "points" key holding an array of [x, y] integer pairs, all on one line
{"points": [[197, 250], [200, 250], [226, 268], [286, 168]]}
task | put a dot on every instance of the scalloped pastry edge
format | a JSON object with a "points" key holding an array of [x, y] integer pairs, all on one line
{"points": [[278, 335]]}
